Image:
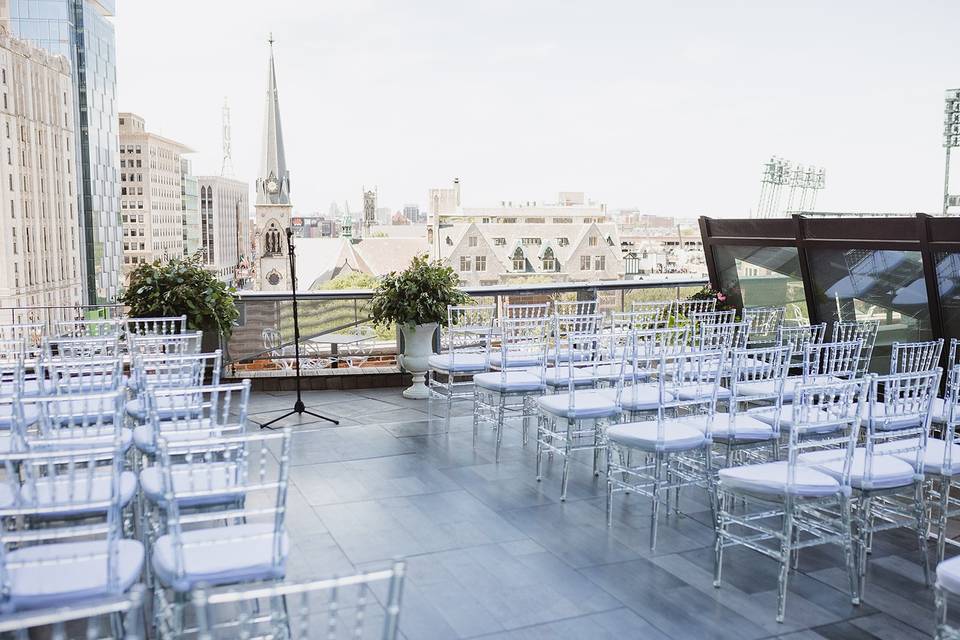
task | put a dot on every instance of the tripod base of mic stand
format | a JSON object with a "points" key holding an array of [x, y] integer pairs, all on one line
{"points": [[298, 409]]}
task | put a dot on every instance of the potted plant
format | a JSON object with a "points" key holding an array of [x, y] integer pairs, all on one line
{"points": [[183, 286], [416, 300]]}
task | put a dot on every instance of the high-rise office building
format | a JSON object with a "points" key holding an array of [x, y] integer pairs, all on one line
{"points": [[39, 229], [151, 198], [190, 200], [81, 31], [224, 224]]}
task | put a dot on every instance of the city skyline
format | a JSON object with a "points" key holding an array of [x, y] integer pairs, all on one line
{"points": [[409, 97]]}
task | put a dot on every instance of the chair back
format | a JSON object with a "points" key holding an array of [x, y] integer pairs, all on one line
{"points": [[913, 357], [756, 383], [832, 413], [764, 323], [578, 343], [107, 346], [73, 420], [659, 310], [951, 413], [344, 607], [11, 350], [469, 330], [159, 326], [898, 418], [720, 336], [87, 328], [523, 343], [207, 468], [686, 308], [91, 375], [688, 381], [575, 307], [203, 411], [832, 360], [11, 378], [30, 333], [713, 317], [90, 619], [170, 371], [520, 311], [179, 343], [865, 331], [797, 337]]}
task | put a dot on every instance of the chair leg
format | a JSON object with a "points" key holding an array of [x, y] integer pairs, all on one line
{"points": [[566, 460], [540, 436], [719, 500], [849, 549], [609, 501], [945, 486], [920, 509], [596, 448], [786, 544], [655, 515], [476, 415], [499, 434]]}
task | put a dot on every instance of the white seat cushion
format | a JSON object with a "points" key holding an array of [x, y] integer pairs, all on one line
{"points": [[61, 583], [638, 397], [56, 495], [877, 418], [886, 472], [768, 387], [771, 478], [560, 376], [218, 477], [744, 427], [786, 421], [220, 555], [588, 404], [938, 412], [75, 437], [136, 408], [695, 391], [644, 436], [143, 435], [564, 356], [459, 362], [933, 455], [30, 415], [514, 361], [510, 381], [948, 574]]}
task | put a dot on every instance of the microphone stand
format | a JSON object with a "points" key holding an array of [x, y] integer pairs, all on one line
{"points": [[298, 406]]}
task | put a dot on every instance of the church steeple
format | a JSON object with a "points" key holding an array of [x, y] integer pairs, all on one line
{"points": [[273, 185]]}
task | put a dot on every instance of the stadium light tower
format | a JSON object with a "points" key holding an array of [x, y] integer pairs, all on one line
{"points": [[951, 139]]}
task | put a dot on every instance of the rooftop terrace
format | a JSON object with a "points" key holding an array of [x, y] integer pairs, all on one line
{"points": [[493, 553]]}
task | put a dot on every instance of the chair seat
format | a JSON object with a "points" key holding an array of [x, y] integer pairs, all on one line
{"points": [[744, 427], [220, 555], [30, 415], [31, 388], [821, 426], [74, 437], [52, 498], [587, 404], [772, 478], [215, 476], [143, 435], [137, 408], [933, 456], [565, 356], [948, 574], [638, 397], [73, 579], [509, 381], [769, 388], [877, 417], [560, 376], [646, 437], [700, 392], [513, 361], [459, 362], [887, 471]]}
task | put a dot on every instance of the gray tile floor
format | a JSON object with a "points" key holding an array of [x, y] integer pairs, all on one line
{"points": [[493, 553]]}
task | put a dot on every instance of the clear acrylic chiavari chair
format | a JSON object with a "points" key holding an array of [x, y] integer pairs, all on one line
{"points": [[575, 307], [169, 372], [941, 464], [778, 508], [196, 548], [82, 347], [511, 391], [158, 326], [687, 308], [713, 317], [67, 563], [573, 419], [88, 328], [660, 310], [91, 375], [464, 352], [342, 607], [674, 447], [73, 420], [525, 311], [765, 323], [639, 392], [797, 337], [180, 343], [528, 312]]}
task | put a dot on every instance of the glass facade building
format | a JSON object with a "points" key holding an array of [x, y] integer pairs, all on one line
{"points": [[901, 271], [81, 31]]}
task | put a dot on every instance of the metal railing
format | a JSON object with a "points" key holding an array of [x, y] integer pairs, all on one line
{"points": [[262, 341], [50, 315]]}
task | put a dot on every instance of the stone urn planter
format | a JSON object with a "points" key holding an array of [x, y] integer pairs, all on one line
{"points": [[417, 349]]}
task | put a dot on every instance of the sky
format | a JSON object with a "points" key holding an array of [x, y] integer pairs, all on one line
{"points": [[669, 107]]}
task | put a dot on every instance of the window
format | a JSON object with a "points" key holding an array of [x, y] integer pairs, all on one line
{"points": [[584, 263], [529, 241], [464, 263], [480, 263], [549, 260], [499, 242], [600, 263], [519, 261], [472, 241], [592, 241], [563, 242]]}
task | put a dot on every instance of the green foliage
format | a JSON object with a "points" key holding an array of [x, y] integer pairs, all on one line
{"points": [[182, 286], [418, 295], [351, 280], [709, 293]]}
